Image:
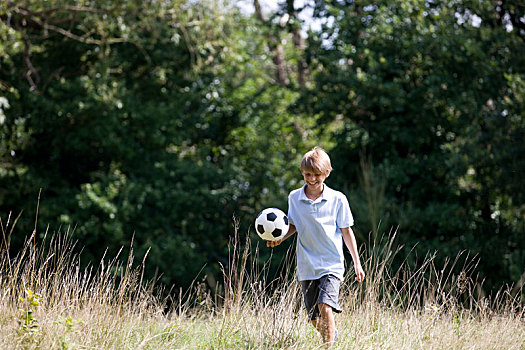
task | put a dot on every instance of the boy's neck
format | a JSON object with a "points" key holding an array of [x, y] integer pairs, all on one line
{"points": [[313, 193]]}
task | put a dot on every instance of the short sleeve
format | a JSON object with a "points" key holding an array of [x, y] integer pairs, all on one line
{"points": [[344, 215], [291, 211]]}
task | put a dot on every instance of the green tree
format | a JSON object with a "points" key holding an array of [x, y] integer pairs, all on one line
{"points": [[422, 88], [158, 121], [112, 113]]}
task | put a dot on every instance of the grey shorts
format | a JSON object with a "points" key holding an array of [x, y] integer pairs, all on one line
{"points": [[323, 290]]}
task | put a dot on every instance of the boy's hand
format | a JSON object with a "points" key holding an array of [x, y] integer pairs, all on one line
{"points": [[359, 273], [273, 243], [290, 232]]}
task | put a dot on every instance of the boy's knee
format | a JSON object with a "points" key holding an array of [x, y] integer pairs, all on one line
{"points": [[324, 309]]}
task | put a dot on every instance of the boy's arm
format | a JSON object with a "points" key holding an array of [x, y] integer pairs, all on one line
{"points": [[291, 231], [351, 244]]}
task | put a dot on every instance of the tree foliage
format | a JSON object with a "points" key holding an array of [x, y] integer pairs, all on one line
{"points": [[427, 91], [158, 122]]}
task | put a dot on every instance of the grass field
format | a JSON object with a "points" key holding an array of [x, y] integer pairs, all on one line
{"points": [[48, 302]]}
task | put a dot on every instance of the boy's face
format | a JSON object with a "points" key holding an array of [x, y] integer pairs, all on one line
{"points": [[314, 180]]}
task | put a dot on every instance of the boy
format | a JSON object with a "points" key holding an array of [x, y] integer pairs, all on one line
{"points": [[322, 218]]}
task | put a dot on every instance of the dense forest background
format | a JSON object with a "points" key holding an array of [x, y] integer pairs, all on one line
{"points": [[158, 121]]}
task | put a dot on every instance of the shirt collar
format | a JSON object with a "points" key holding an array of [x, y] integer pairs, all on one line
{"points": [[323, 197]]}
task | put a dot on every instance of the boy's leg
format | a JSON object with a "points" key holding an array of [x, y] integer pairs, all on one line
{"points": [[327, 305], [310, 291], [326, 323], [326, 329], [317, 324], [320, 298]]}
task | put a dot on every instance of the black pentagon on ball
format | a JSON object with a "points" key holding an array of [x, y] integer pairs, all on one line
{"points": [[285, 219], [271, 216], [277, 232], [260, 229]]}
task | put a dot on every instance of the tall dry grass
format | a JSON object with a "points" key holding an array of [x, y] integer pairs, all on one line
{"points": [[48, 301]]}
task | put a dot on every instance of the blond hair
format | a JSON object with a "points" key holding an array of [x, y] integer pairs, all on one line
{"points": [[316, 161]]}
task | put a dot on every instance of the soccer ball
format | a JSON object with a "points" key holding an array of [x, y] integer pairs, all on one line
{"points": [[271, 224]]}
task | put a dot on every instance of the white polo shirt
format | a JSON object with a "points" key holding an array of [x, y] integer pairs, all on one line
{"points": [[319, 238]]}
